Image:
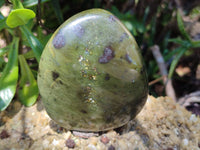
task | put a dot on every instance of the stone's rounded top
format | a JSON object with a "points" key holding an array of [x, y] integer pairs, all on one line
{"points": [[91, 74]]}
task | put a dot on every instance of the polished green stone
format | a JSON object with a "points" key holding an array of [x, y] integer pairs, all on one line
{"points": [[91, 74]]}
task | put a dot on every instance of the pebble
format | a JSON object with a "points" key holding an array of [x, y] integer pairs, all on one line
{"points": [[70, 143], [91, 147], [84, 135], [104, 139], [111, 147], [4, 134]]}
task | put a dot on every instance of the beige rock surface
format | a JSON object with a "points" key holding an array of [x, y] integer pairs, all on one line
{"points": [[162, 124]]}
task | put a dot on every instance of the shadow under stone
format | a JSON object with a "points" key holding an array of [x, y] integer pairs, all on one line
{"points": [[13, 108]]}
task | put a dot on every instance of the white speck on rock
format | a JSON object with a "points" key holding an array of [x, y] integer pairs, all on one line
{"points": [[185, 142], [176, 131], [55, 142], [45, 143], [91, 147], [193, 118]]}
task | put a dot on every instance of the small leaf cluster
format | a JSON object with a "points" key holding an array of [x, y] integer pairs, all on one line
{"points": [[186, 43], [16, 75]]}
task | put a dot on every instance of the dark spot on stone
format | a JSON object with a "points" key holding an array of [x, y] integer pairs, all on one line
{"points": [[80, 94], [128, 58], [59, 40], [109, 118], [111, 147], [108, 54], [126, 70], [107, 77], [104, 139], [39, 75], [83, 111], [55, 75], [79, 30], [60, 82], [54, 99], [84, 92], [123, 36], [145, 138], [73, 124], [4, 134], [112, 18], [70, 143]]}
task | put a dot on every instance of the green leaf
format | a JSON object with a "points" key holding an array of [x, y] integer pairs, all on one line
{"points": [[195, 44], [1, 3], [175, 61], [146, 13], [4, 50], [170, 54], [57, 10], [3, 24], [1, 16], [34, 43], [153, 31], [181, 27], [8, 80], [28, 89], [42, 37], [1, 64], [17, 4], [29, 55], [184, 43], [19, 17], [30, 3]]}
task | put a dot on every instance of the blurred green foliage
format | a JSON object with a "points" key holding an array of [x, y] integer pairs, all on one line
{"points": [[151, 23]]}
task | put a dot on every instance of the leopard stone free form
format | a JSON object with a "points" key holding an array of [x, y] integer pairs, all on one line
{"points": [[91, 74]]}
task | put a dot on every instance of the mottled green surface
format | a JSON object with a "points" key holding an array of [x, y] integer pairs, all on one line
{"points": [[91, 76]]}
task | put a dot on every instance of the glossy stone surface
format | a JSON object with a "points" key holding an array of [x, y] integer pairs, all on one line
{"points": [[91, 75]]}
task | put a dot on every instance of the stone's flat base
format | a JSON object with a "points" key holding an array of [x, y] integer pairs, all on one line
{"points": [[161, 124]]}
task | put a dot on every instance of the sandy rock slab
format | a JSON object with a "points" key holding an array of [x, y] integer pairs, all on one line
{"points": [[161, 125]]}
